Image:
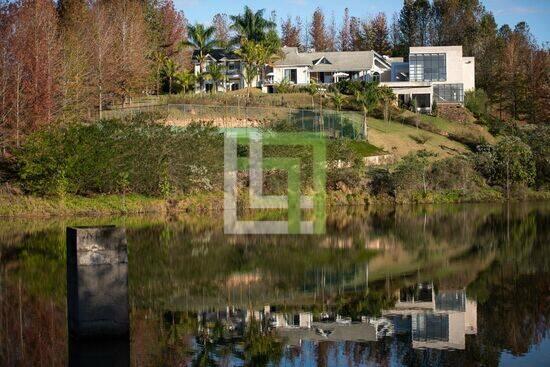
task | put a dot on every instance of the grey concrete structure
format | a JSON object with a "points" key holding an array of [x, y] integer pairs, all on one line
{"points": [[97, 282]]}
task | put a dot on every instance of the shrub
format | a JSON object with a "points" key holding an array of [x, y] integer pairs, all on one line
{"points": [[283, 87], [411, 172], [435, 111], [118, 156], [454, 173], [381, 182], [477, 102], [471, 140], [420, 138], [508, 163]]}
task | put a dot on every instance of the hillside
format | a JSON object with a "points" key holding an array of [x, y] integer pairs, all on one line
{"points": [[401, 139], [402, 135]]}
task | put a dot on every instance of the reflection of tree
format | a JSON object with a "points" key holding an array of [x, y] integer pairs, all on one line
{"points": [[261, 346], [357, 305]]}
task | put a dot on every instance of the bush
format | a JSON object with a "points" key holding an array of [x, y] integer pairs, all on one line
{"points": [[471, 140], [455, 173], [381, 182], [508, 163], [119, 156], [477, 102], [348, 87], [420, 138]]}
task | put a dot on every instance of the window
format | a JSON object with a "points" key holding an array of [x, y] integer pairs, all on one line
{"points": [[449, 93], [427, 67], [291, 75], [376, 76], [430, 327]]}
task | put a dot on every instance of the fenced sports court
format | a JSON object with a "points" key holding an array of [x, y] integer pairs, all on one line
{"points": [[329, 122]]}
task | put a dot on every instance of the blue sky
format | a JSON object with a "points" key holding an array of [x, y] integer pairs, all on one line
{"points": [[535, 12]]}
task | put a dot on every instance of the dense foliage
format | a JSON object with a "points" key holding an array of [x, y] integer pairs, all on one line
{"points": [[113, 156]]}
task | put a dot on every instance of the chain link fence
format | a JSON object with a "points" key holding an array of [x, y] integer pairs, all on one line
{"points": [[329, 122]]}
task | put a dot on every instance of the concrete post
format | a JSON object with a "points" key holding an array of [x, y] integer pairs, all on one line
{"points": [[97, 282]]}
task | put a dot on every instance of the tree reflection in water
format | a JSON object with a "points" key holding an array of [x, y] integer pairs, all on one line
{"points": [[446, 285]]}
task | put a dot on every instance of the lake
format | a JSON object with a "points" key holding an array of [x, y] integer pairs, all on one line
{"points": [[455, 285]]}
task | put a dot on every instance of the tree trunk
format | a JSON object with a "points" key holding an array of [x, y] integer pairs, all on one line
{"points": [[365, 126], [158, 81], [321, 120], [100, 103]]}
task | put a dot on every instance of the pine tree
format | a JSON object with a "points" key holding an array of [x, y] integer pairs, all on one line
{"points": [[318, 31], [290, 33], [380, 32], [346, 42], [222, 34]]}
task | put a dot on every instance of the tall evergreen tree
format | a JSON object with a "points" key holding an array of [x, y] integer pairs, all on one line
{"points": [[318, 31], [346, 42], [290, 33]]}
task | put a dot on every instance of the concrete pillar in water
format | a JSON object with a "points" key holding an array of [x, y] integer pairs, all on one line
{"points": [[97, 282]]}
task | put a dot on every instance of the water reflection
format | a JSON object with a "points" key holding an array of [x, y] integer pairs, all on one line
{"points": [[456, 285]]}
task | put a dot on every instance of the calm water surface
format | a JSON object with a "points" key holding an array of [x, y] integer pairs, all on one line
{"points": [[413, 286]]}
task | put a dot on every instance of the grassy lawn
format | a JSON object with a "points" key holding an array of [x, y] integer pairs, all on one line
{"points": [[364, 149], [450, 127], [398, 138]]}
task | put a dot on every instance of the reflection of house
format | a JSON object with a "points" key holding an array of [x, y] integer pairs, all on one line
{"points": [[439, 321], [329, 331], [299, 327]]}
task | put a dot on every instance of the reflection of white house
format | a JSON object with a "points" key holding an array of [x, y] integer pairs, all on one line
{"points": [[438, 321], [329, 67]]}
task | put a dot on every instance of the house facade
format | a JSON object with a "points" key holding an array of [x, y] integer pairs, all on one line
{"points": [[301, 68], [232, 70], [438, 74]]}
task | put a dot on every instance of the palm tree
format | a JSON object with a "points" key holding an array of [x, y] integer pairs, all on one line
{"points": [[185, 79], [337, 99], [200, 38], [367, 98], [251, 26], [170, 69], [387, 96], [216, 73], [312, 89], [251, 53]]}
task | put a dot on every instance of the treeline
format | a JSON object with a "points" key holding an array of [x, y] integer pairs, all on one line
{"points": [[511, 67], [69, 59]]}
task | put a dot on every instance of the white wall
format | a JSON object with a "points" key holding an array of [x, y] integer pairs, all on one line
{"points": [[468, 73], [459, 69], [302, 74]]}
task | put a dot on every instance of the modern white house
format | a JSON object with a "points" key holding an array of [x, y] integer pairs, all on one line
{"points": [[432, 74]]}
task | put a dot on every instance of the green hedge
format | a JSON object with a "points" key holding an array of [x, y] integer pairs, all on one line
{"points": [[117, 156], [139, 155]]}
